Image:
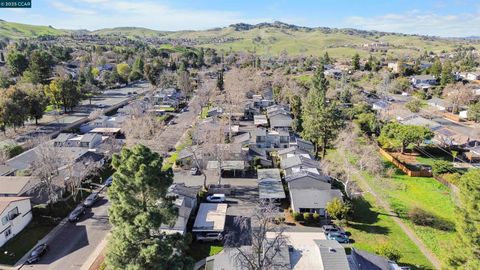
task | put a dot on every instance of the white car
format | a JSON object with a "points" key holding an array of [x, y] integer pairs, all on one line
{"points": [[216, 198], [208, 237]]}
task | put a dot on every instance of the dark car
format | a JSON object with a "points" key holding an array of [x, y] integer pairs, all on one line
{"points": [[332, 229], [37, 253], [91, 199], [76, 213]]}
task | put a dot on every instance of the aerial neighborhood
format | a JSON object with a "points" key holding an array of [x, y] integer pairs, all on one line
{"points": [[263, 146]]}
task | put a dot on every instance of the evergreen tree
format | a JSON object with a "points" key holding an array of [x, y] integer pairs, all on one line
{"points": [[326, 59], [139, 207], [220, 83], [40, 68], [296, 105], [465, 253], [17, 63], [321, 119], [356, 62], [36, 102], [447, 74], [436, 68]]}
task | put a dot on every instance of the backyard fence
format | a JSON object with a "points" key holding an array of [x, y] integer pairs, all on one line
{"points": [[402, 167]]}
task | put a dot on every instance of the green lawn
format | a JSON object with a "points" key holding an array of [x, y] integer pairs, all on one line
{"points": [[403, 193], [371, 226], [199, 251], [23, 242], [204, 112]]}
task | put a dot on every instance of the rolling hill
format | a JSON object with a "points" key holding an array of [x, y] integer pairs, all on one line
{"points": [[270, 39], [13, 30]]}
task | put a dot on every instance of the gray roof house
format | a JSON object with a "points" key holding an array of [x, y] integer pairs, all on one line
{"points": [[332, 254], [290, 151], [270, 184], [186, 202], [280, 120], [296, 163], [440, 104], [16, 186], [312, 200], [362, 260], [421, 121]]}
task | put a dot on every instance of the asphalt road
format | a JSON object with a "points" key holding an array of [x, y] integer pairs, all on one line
{"points": [[75, 242]]}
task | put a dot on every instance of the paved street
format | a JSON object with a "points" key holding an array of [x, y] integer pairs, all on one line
{"points": [[75, 243]]}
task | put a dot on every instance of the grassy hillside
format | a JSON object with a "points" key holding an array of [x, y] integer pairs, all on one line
{"points": [[131, 32], [273, 40], [17, 30]]}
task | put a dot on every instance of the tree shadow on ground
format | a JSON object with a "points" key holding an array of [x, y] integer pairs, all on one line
{"points": [[362, 211]]}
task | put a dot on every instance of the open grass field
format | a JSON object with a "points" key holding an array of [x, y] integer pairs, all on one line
{"points": [[17, 30], [404, 193]]}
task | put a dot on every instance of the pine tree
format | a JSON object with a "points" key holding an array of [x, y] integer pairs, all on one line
{"points": [[447, 75], [220, 83], [326, 59], [436, 68], [139, 207], [321, 119], [465, 253], [356, 62]]}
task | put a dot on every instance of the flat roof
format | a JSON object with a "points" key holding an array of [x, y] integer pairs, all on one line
{"points": [[210, 217], [273, 174], [105, 130], [271, 190]]}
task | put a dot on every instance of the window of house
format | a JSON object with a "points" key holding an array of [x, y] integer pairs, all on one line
{"points": [[8, 232], [4, 220], [12, 214]]}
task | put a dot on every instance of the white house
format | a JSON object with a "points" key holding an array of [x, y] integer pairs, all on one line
{"points": [[472, 76], [15, 214]]}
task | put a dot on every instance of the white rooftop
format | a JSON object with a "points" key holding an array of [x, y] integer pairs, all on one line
{"points": [[210, 217]]}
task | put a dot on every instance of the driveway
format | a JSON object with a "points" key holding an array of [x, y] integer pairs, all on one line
{"points": [[75, 242]]}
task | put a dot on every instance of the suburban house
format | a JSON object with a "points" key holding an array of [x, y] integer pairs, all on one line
{"points": [[210, 218], [260, 102], [298, 163], [103, 122], [440, 104], [280, 119], [334, 73], [362, 260], [332, 255], [215, 111], [423, 81], [168, 96], [255, 153], [6, 170], [89, 140], [449, 137], [290, 151], [260, 120], [421, 121], [186, 203], [15, 214], [380, 105], [16, 186], [270, 184]]}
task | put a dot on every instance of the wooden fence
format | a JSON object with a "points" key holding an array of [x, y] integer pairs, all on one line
{"points": [[402, 167]]}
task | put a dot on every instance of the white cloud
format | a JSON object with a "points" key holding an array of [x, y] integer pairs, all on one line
{"points": [[71, 9], [418, 22]]}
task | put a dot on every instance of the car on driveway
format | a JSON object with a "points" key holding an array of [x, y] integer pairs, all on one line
{"points": [[76, 213], [91, 199], [209, 237], [216, 198], [341, 238], [332, 229], [37, 253]]}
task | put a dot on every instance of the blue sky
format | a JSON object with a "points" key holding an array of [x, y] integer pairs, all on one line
{"points": [[431, 17]]}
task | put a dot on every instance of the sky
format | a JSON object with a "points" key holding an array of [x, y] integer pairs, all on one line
{"points": [[451, 18]]}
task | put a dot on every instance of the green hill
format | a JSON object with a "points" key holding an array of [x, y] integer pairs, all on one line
{"points": [[18, 30], [130, 32]]}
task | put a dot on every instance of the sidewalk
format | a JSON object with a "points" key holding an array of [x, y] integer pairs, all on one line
{"points": [[96, 253]]}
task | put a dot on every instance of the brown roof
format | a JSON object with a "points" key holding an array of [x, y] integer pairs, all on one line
{"points": [[15, 185], [5, 201]]}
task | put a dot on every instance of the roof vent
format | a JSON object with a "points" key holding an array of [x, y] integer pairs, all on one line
{"points": [[331, 249]]}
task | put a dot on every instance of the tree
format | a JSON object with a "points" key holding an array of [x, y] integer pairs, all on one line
{"points": [[356, 62], [459, 95], [436, 68], [474, 112], [367, 121], [414, 105], [139, 207], [399, 85], [267, 241], [123, 70], [15, 107], [401, 67], [64, 91], [326, 59], [296, 107], [465, 252], [40, 67], [397, 135], [337, 209], [17, 63], [447, 76], [388, 251], [36, 102], [321, 120], [220, 84], [184, 82]]}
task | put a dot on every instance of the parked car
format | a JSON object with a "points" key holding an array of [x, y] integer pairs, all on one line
{"points": [[91, 199], [102, 106], [216, 198], [76, 213], [211, 236], [109, 181], [332, 229], [339, 237], [194, 171], [37, 253]]}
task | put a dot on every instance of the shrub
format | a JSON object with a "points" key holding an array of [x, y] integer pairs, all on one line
{"points": [[297, 216], [388, 251], [421, 217], [337, 209], [307, 217], [441, 167], [452, 178], [316, 217], [201, 194]]}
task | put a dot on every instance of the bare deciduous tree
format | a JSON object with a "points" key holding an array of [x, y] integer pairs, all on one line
{"points": [[46, 168], [459, 95], [77, 172], [268, 239]]}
